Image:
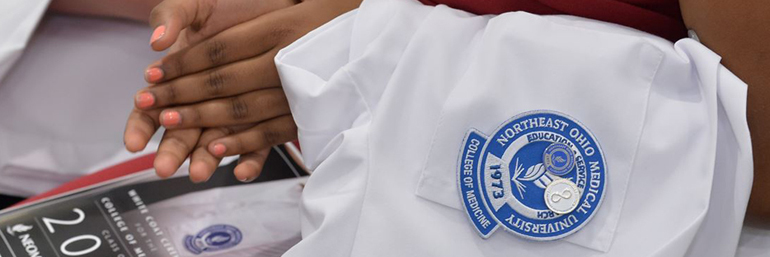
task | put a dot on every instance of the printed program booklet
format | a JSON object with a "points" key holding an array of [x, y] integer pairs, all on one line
{"points": [[138, 214]]}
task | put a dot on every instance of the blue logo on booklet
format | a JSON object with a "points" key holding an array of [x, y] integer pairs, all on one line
{"points": [[507, 179], [213, 238]]}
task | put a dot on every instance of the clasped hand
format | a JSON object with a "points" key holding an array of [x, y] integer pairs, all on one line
{"points": [[217, 92]]}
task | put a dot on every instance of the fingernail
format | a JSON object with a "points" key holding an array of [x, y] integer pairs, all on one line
{"points": [[246, 180], [158, 33], [219, 149], [145, 100], [200, 181], [170, 118], [153, 74]]}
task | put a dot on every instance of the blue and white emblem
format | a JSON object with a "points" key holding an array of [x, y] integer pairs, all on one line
{"points": [[540, 175], [213, 238]]}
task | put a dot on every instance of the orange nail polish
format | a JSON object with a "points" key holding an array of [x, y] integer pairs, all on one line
{"points": [[153, 74], [170, 118], [219, 149], [145, 100], [158, 33]]}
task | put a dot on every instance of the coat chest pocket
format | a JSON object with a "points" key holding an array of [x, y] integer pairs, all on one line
{"points": [[535, 84]]}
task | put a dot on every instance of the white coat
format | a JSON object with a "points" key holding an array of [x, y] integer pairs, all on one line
{"points": [[384, 97]]}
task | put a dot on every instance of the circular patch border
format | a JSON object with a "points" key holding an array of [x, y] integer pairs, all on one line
{"points": [[478, 195]]}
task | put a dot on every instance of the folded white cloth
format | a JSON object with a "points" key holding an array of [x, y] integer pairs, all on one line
{"points": [[18, 19], [63, 105], [386, 96]]}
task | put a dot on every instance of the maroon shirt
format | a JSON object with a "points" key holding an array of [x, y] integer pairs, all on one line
{"points": [[659, 17]]}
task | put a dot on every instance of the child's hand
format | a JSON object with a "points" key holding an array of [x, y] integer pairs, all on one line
{"points": [[228, 83]]}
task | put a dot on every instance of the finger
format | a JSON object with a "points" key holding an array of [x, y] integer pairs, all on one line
{"points": [[229, 13], [140, 128], [246, 40], [181, 43], [205, 18], [261, 136], [174, 148], [250, 165], [247, 108], [229, 80], [202, 163], [171, 16]]}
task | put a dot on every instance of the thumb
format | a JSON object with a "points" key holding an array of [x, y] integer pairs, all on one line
{"points": [[170, 17]]}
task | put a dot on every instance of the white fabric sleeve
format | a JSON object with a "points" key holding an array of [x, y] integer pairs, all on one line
{"points": [[323, 91], [323, 100]]}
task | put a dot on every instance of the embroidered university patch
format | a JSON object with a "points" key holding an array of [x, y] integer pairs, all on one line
{"points": [[541, 175]]}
